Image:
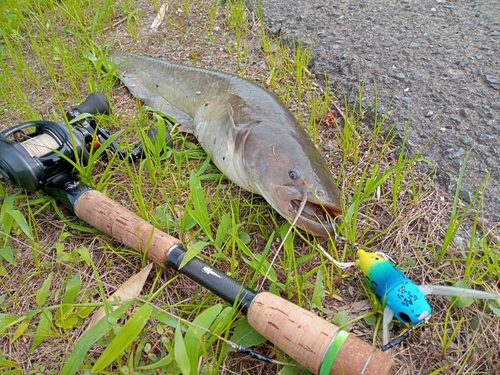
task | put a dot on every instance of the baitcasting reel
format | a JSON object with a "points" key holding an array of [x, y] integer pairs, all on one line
{"points": [[35, 152]]}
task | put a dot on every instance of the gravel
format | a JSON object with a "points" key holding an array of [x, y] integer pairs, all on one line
{"points": [[435, 61]]}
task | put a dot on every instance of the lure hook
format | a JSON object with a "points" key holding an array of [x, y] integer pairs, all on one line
{"points": [[398, 340]]}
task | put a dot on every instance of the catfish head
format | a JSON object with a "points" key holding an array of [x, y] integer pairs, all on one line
{"points": [[286, 168]]}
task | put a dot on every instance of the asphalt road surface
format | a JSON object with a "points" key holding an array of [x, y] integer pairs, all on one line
{"points": [[435, 61]]}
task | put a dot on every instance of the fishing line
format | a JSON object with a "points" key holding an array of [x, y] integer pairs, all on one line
{"points": [[301, 208], [338, 239], [385, 256], [237, 347], [40, 145], [297, 215], [368, 361]]}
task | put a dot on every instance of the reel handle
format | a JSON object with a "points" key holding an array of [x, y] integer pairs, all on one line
{"points": [[314, 342]]}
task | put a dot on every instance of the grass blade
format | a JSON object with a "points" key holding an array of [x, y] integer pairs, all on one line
{"points": [[20, 329], [21, 221], [193, 251], [89, 339], [180, 352], [43, 329], [42, 293], [72, 289], [244, 334], [128, 333], [199, 212], [6, 320], [194, 334]]}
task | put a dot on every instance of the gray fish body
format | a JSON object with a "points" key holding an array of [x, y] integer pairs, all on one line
{"points": [[250, 135]]}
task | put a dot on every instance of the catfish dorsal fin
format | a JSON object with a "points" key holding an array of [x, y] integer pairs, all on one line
{"points": [[158, 103]]}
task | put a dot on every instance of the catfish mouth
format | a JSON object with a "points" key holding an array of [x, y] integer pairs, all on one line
{"points": [[308, 212], [320, 214]]}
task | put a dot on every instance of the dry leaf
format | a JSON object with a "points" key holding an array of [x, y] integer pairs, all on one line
{"points": [[159, 17], [337, 297], [129, 289], [360, 306]]}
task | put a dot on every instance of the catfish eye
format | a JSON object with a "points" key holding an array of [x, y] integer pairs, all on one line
{"points": [[294, 174]]}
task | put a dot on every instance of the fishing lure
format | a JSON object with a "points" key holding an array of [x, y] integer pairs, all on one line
{"points": [[402, 298]]}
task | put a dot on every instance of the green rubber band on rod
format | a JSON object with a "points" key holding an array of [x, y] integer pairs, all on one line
{"points": [[332, 351]]}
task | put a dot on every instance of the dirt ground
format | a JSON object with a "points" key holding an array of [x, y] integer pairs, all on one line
{"points": [[184, 39], [421, 354]]}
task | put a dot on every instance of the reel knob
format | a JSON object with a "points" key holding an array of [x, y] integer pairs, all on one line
{"points": [[95, 103]]}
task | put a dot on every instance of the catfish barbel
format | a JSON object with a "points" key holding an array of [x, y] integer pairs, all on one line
{"points": [[249, 134]]}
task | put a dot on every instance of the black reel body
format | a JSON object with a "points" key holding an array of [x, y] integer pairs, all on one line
{"points": [[31, 160], [35, 152]]}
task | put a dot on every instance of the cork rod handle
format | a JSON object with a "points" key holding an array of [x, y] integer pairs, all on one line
{"points": [[314, 342], [124, 226]]}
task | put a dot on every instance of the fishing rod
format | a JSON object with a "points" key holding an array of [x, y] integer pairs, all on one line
{"points": [[39, 155]]}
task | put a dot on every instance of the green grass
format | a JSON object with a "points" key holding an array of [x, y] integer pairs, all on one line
{"points": [[54, 269]]}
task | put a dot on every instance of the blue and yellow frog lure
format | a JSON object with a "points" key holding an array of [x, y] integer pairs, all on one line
{"points": [[402, 298], [390, 285]]}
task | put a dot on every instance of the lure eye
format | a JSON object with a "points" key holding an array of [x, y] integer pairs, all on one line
{"points": [[404, 317], [294, 174]]}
